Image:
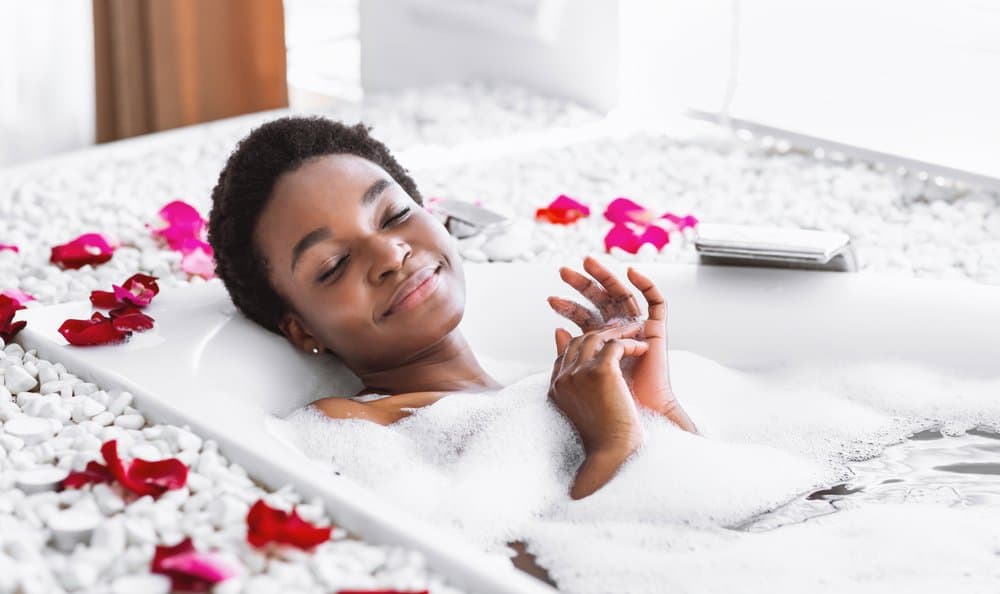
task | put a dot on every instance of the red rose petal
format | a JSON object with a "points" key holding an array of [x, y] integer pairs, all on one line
{"points": [[563, 211], [98, 330], [143, 477], [103, 299], [8, 327], [163, 475], [95, 472], [9, 246], [89, 248], [266, 525], [138, 289], [129, 318]]}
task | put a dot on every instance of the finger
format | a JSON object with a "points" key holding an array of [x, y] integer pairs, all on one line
{"points": [[652, 294], [595, 341], [613, 351], [587, 319], [562, 340], [587, 287], [617, 292]]}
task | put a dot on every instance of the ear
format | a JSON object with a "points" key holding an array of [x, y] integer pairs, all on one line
{"points": [[294, 329]]}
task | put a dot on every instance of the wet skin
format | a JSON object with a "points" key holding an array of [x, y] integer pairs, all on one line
{"points": [[338, 304], [359, 237]]}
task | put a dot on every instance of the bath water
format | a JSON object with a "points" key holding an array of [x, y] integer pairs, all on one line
{"points": [[802, 480]]}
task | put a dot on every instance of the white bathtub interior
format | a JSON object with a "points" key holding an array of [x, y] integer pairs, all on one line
{"points": [[206, 366]]}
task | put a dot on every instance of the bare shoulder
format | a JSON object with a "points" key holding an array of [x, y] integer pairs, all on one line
{"points": [[344, 408], [337, 407], [384, 411]]}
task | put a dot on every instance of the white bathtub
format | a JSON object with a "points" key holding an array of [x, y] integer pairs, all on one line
{"points": [[206, 366]]}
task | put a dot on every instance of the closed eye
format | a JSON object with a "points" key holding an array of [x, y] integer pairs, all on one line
{"points": [[326, 274]]}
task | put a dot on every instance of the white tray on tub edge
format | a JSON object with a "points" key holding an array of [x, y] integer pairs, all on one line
{"points": [[738, 316]]}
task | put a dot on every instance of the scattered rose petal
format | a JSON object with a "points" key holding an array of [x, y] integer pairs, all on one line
{"points": [[190, 570], [138, 289], [8, 327], [89, 248], [139, 476], [199, 261], [18, 295], [95, 472], [143, 477], [185, 232], [182, 222], [98, 330], [266, 525], [9, 246], [130, 318], [636, 225], [623, 210], [563, 211], [624, 237]]}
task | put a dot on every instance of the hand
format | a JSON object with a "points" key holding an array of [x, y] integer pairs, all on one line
{"points": [[648, 377], [587, 385]]}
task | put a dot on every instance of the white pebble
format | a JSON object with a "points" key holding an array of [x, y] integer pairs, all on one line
{"points": [[72, 526], [84, 389], [30, 429], [147, 583], [119, 403], [133, 421], [107, 500], [16, 379], [105, 418], [41, 479]]}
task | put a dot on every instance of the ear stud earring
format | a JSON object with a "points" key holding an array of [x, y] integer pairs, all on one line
{"points": [[315, 351]]}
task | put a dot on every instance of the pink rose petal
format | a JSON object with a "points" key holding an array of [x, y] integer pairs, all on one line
{"points": [[18, 295], [199, 261], [190, 570], [623, 210], [9, 246]]}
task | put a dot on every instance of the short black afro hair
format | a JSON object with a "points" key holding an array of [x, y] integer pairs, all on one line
{"points": [[244, 188]]}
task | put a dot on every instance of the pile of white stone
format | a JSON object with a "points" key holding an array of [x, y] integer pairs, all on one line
{"points": [[98, 538], [901, 223]]}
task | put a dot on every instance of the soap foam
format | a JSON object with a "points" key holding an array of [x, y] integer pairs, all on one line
{"points": [[497, 467]]}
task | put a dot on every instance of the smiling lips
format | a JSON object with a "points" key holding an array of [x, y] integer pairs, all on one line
{"points": [[414, 289]]}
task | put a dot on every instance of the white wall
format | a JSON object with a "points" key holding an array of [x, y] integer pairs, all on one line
{"points": [[46, 78], [566, 48]]}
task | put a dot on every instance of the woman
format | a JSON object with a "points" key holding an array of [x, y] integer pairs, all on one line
{"points": [[320, 235]]}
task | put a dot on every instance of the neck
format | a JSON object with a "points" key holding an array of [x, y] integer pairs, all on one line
{"points": [[446, 366]]}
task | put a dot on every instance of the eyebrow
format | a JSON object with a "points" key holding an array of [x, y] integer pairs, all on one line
{"points": [[320, 233]]}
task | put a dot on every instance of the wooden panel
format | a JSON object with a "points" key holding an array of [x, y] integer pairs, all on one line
{"points": [[166, 63]]}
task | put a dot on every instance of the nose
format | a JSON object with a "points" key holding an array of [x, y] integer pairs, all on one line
{"points": [[388, 254]]}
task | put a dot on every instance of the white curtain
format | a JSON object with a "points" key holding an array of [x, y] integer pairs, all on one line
{"points": [[46, 78]]}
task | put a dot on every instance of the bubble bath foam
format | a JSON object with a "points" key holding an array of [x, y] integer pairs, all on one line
{"points": [[762, 501]]}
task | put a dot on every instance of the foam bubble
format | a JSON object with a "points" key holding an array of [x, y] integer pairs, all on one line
{"points": [[497, 467]]}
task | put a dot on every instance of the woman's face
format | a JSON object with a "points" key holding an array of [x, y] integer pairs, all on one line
{"points": [[340, 239]]}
